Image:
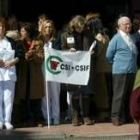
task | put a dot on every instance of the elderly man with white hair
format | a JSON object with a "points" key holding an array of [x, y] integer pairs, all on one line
{"points": [[122, 53]]}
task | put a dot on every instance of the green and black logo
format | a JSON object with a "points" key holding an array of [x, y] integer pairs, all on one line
{"points": [[52, 63]]}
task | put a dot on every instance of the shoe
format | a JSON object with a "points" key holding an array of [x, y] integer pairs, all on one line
{"points": [[75, 123], [117, 122], [8, 126], [56, 121], [88, 121], [40, 124], [1, 125], [67, 120], [75, 120], [46, 122]]}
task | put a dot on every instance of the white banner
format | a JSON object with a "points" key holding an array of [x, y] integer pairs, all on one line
{"points": [[67, 67]]}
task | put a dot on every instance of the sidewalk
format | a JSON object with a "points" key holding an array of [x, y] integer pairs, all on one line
{"points": [[98, 131]]}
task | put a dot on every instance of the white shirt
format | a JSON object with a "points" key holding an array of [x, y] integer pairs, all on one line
{"points": [[7, 73], [127, 39]]}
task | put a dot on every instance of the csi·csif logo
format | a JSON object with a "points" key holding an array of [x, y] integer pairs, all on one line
{"points": [[52, 63]]}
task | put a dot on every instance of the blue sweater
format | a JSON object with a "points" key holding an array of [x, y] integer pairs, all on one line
{"points": [[119, 54]]}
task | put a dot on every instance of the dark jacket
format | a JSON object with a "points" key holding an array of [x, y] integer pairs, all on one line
{"points": [[83, 42], [19, 49]]}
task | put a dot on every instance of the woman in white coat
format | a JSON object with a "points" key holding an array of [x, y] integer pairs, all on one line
{"points": [[9, 56]]}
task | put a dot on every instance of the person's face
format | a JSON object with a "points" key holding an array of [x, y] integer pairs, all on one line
{"points": [[79, 29], [2, 30], [126, 25], [48, 28], [23, 33]]}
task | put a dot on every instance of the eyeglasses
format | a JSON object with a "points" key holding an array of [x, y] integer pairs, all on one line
{"points": [[126, 24]]}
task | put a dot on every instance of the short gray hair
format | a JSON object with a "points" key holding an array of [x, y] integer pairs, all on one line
{"points": [[121, 20]]}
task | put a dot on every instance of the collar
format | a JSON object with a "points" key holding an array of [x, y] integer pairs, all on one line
{"points": [[123, 33]]}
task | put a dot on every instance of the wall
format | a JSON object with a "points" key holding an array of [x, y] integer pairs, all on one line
{"points": [[4, 7]]}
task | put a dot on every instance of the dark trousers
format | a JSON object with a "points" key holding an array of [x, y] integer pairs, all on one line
{"points": [[109, 85], [122, 88], [85, 105], [31, 111]]}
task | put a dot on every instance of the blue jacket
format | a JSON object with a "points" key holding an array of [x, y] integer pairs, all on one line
{"points": [[119, 54]]}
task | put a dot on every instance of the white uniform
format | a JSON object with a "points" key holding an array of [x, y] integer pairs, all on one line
{"points": [[52, 93], [7, 85]]}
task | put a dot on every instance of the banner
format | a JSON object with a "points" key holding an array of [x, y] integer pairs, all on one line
{"points": [[67, 67]]}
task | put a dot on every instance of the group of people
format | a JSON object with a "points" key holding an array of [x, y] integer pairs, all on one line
{"points": [[113, 68]]}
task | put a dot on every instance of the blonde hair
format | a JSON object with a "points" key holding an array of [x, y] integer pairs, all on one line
{"points": [[43, 33], [77, 21], [42, 16]]}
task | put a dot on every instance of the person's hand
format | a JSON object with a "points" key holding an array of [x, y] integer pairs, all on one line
{"points": [[8, 64], [72, 49], [29, 54], [1, 63], [91, 52], [11, 63]]}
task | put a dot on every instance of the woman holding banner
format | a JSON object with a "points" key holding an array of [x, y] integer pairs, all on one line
{"points": [[51, 101], [77, 37]]}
